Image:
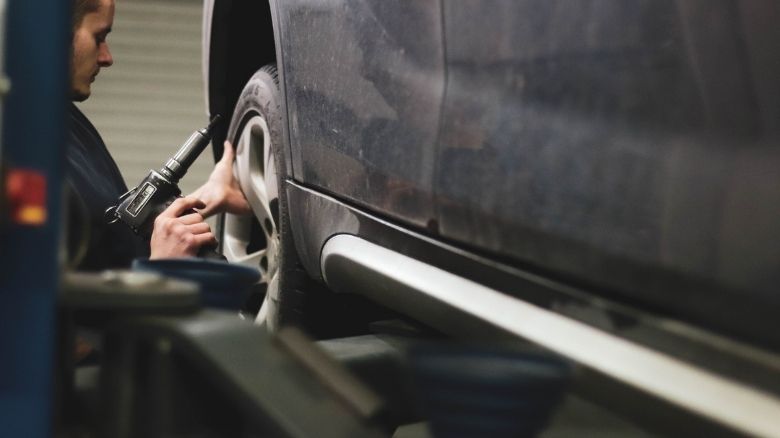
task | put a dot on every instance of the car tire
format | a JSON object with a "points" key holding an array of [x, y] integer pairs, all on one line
{"points": [[286, 294], [263, 239]]}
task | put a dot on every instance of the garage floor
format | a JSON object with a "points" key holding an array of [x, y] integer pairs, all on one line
{"points": [[575, 418]]}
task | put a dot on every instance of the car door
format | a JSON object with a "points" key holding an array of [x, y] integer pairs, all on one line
{"points": [[628, 146], [364, 82]]}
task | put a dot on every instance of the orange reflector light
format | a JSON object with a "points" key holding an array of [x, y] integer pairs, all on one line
{"points": [[26, 194]]}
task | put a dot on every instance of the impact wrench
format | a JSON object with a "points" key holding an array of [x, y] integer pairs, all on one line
{"points": [[139, 207]]}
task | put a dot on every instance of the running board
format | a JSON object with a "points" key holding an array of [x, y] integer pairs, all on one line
{"points": [[449, 302]]}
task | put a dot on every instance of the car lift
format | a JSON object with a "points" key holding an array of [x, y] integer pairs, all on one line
{"points": [[36, 46]]}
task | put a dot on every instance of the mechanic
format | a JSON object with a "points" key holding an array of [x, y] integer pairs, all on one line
{"points": [[94, 180]]}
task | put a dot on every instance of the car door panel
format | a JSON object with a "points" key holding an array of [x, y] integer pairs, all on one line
{"points": [[623, 145], [365, 80]]}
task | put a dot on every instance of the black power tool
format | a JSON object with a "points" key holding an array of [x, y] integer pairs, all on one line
{"points": [[139, 207]]}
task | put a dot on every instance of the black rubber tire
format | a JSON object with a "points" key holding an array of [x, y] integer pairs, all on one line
{"points": [[301, 301], [261, 97]]}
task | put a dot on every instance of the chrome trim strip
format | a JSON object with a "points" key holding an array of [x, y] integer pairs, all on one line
{"points": [[722, 400]]}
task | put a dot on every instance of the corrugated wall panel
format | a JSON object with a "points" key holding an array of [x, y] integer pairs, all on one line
{"points": [[151, 99]]}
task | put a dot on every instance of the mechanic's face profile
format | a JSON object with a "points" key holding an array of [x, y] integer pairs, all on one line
{"points": [[90, 49]]}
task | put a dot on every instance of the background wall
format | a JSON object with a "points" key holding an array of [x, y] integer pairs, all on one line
{"points": [[148, 103]]}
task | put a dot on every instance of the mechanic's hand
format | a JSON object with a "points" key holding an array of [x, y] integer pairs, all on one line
{"points": [[179, 231], [221, 193]]}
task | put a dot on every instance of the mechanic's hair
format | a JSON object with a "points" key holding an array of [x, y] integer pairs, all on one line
{"points": [[82, 8]]}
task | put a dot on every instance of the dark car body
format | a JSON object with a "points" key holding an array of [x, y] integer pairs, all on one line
{"points": [[617, 151], [630, 146]]}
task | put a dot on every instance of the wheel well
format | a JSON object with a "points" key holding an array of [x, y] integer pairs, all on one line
{"points": [[242, 41]]}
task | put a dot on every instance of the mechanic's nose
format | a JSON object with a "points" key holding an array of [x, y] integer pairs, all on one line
{"points": [[104, 58]]}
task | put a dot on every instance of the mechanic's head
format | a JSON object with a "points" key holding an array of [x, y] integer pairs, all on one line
{"points": [[92, 21]]}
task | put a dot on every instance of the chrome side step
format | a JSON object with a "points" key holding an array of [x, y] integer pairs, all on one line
{"points": [[351, 264]]}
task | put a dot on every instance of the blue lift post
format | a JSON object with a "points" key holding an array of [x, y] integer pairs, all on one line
{"points": [[33, 138]]}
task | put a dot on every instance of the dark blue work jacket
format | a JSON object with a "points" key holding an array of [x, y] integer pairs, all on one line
{"points": [[95, 184]]}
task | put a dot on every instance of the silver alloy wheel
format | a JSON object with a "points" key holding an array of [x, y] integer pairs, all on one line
{"points": [[255, 169]]}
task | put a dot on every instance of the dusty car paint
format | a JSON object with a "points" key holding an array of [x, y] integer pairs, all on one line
{"points": [[629, 147], [365, 83]]}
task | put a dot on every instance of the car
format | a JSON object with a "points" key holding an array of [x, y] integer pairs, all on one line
{"points": [[607, 168]]}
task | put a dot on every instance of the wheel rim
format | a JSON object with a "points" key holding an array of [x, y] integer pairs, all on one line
{"points": [[253, 240]]}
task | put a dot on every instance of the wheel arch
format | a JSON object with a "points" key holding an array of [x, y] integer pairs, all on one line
{"points": [[239, 38]]}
